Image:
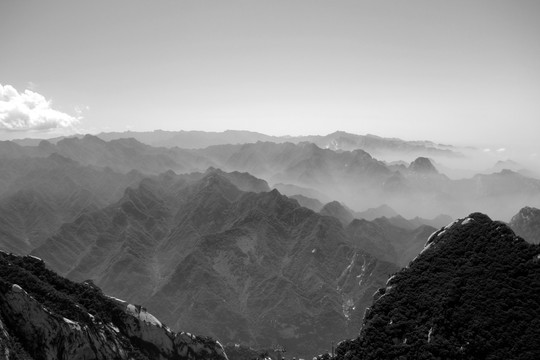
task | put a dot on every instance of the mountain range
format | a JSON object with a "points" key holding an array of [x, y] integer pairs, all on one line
{"points": [[338, 140], [255, 240], [354, 177], [249, 266]]}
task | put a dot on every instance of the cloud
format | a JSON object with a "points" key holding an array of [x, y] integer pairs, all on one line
{"points": [[30, 111], [501, 150]]}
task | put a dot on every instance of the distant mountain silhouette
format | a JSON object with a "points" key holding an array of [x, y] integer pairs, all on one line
{"points": [[354, 178], [374, 213], [513, 166], [338, 140], [337, 210], [423, 165], [37, 195]]}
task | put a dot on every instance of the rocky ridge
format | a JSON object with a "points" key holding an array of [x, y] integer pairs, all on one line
{"points": [[44, 316]]}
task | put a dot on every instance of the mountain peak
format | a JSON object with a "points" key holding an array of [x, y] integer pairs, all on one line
{"points": [[93, 138], [444, 304], [423, 165], [456, 227], [526, 223], [339, 211]]}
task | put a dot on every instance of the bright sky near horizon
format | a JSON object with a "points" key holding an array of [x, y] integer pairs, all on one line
{"points": [[460, 71]]}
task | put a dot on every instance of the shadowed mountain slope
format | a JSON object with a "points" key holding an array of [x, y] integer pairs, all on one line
{"points": [[388, 241], [38, 195], [250, 267]]}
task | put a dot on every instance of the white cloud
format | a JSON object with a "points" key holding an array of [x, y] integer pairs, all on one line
{"points": [[30, 111], [501, 150]]}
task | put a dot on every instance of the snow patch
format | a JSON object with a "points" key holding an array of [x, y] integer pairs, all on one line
{"points": [[313, 251], [466, 221], [429, 334], [441, 233]]}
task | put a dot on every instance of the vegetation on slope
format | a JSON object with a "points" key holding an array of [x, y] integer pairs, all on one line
{"points": [[474, 293]]}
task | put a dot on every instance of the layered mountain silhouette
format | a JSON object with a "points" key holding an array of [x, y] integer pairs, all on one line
{"points": [[513, 166], [286, 261], [45, 316], [473, 293], [338, 140], [39, 195], [121, 155], [216, 253], [354, 178]]}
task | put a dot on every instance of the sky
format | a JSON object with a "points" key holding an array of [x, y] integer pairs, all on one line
{"points": [[464, 72]]}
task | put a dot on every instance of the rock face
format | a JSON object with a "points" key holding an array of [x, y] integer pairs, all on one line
{"points": [[526, 223], [473, 293], [44, 316], [246, 267]]}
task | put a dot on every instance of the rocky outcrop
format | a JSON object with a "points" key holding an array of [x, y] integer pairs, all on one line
{"points": [[55, 337], [54, 320]]}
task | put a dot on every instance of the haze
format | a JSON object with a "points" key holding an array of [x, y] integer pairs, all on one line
{"points": [[460, 72]]}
